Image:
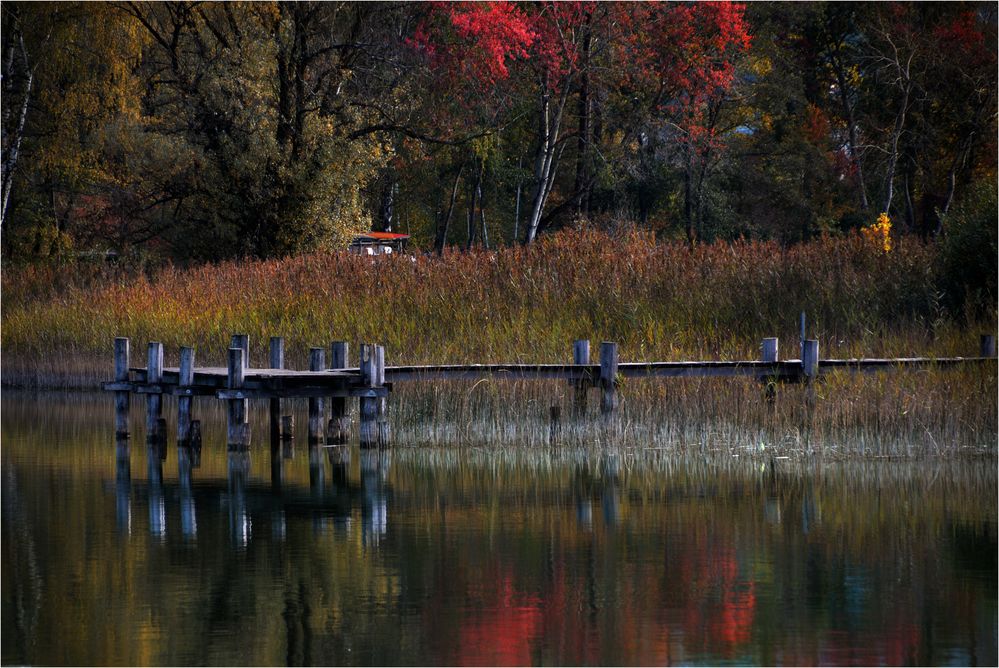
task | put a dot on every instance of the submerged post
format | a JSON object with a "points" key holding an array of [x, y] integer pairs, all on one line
{"points": [[988, 345], [121, 397], [317, 362], [276, 362], [154, 400], [608, 377], [338, 431], [581, 355], [238, 429], [184, 382]]}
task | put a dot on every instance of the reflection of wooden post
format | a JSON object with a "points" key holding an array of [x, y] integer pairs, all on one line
{"points": [[581, 355], [988, 345], [276, 362], [317, 362], [608, 377], [121, 397], [338, 432], [154, 400], [185, 381], [238, 430]]}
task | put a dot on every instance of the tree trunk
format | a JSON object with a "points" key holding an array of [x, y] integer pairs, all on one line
{"points": [[13, 147], [584, 126], [549, 122], [851, 125], [443, 224]]}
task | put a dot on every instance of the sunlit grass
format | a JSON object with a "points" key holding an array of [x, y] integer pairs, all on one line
{"points": [[658, 301]]}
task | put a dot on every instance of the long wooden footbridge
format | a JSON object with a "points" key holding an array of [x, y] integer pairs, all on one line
{"points": [[330, 385]]}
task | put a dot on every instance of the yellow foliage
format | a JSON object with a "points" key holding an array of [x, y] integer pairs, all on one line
{"points": [[879, 233]]}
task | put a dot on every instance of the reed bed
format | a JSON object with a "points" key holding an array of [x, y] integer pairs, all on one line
{"points": [[659, 301]]}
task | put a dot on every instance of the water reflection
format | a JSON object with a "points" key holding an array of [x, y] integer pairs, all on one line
{"points": [[487, 557], [240, 522], [123, 485], [188, 510]]}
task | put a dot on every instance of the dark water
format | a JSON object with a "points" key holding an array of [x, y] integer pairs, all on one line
{"points": [[480, 556]]}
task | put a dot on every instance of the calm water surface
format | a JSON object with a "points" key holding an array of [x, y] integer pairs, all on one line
{"points": [[479, 556]]}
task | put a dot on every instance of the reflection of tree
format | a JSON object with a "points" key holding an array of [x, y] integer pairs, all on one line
{"points": [[488, 562]]}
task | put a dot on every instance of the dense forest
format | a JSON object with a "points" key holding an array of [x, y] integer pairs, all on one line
{"points": [[190, 131]]}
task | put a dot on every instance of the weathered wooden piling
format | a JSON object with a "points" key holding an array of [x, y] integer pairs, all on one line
{"points": [[810, 358], [154, 400], [581, 355], [287, 427], [383, 424], [769, 348], [276, 362], [122, 398], [338, 430], [184, 401], [242, 341], [372, 367], [238, 428], [608, 377], [988, 345], [317, 362], [769, 354]]}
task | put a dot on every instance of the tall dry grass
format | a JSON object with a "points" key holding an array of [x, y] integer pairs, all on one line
{"points": [[659, 301]]}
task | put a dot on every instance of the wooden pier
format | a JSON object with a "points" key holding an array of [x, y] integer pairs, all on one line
{"points": [[329, 386]]}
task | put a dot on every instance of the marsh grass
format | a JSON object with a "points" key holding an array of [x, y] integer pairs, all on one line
{"points": [[659, 301]]}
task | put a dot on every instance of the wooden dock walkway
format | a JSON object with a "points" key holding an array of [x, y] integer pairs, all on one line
{"points": [[328, 386]]}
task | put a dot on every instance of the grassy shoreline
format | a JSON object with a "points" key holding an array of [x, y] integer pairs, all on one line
{"points": [[659, 301]]}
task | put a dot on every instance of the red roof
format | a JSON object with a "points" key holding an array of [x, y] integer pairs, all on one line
{"points": [[383, 236]]}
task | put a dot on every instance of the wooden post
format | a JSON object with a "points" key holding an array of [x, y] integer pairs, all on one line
{"points": [[287, 427], [988, 345], [317, 362], [368, 406], [242, 341], [154, 401], [238, 429], [769, 349], [338, 431], [276, 362], [121, 397], [608, 377], [186, 380], [383, 425], [810, 358], [581, 355]]}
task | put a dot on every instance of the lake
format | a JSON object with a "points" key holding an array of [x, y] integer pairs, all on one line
{"points": [[115, 554]]}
